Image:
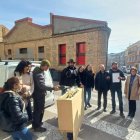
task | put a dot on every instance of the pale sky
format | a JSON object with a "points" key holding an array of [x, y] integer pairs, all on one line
{"points": [[123, 16]]}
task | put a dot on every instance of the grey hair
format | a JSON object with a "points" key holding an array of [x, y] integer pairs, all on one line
{"points": [[102, 65]]}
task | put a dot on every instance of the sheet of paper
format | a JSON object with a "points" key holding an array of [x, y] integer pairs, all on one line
{"points": [[115, 77]]}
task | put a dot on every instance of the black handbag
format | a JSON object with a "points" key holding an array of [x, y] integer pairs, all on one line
{"points": [[5, 121]]}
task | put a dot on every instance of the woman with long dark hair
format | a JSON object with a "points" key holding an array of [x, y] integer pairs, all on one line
{"points": [[23, 71], [88, 82], [14, 111], [81, 73]]}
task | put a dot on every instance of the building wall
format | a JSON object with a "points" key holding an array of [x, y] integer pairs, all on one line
{"points": [[96, 47], [116, 57], [25, 31], [2, 54], [28, 55], [3, 31], [132, 54], [26, 34], [66, 25]]}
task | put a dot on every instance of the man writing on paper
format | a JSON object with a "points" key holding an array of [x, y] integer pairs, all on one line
{"points": [[116, 76]]}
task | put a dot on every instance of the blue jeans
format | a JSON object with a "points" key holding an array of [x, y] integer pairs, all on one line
{"points": [[119, 93], [21, 134], [87, 90]]}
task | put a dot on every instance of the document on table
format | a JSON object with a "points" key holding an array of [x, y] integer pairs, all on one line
{"points": [[115, 77]]}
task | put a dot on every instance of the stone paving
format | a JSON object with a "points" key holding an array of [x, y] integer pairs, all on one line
{"points": [[97, 125]]}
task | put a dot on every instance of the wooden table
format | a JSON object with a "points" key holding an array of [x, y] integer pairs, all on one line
{"points": [[71, 113]]}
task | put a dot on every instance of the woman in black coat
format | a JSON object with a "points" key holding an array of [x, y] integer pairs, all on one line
{"points": [[88, 82], [13, 107], [81, 73]]}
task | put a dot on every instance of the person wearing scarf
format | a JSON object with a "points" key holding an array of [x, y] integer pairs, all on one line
{"points": [[116, 87], [132, 91]]}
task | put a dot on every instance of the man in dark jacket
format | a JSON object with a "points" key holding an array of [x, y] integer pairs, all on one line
{"points": [[102, 86], [39, 95], [68, 78], [115, 85]]}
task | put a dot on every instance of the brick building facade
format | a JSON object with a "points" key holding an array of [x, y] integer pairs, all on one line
{"points": [[86, 41]]}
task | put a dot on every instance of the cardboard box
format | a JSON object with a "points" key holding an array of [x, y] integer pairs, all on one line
{"points": [[71, 113]]}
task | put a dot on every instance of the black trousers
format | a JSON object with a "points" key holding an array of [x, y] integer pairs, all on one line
{"points": [[29, 110], [105, 97], [132, 106], [38, 112]]}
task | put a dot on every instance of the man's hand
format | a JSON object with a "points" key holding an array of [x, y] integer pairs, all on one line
{"points": [[124, 92], [138, 93], [108, 77], [56, 88], [120, 78], [81, 86]]}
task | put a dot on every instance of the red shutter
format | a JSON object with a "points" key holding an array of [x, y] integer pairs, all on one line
{"points": [[63, 49], [81, 48], [81, 60], [63, 60]]}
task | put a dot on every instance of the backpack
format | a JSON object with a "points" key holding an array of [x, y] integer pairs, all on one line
{"points": [[5, 120]]}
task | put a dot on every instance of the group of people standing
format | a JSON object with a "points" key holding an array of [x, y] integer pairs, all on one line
{"points": [[15, 97], [15, 105], [104, 81]]}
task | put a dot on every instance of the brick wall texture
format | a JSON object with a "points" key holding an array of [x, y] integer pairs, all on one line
{"points": [[25, 35]]}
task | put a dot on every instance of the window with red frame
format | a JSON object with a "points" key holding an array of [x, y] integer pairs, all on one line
{"points": [[9, 51], [62, 54], [81, 49]]}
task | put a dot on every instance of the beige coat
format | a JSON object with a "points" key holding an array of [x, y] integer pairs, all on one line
{"points": [[135, 88]]}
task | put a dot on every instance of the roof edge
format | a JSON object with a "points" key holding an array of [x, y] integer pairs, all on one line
{"points": [[79, 19], [29, 21]]}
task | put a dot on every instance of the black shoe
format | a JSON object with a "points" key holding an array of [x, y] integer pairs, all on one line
{"points": [[89, 105], [112, 112], [105, 110], [40, 129], [70, 138], [132, 115], [85, 107], [129, 114], [121, 114], [98, 108]]}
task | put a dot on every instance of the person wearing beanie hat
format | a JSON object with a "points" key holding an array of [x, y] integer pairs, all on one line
{"points": [[45, 63], [39, 95]]}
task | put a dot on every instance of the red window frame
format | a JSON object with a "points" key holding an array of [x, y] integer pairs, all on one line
{"points": [[62, 54], [81, 50]]}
